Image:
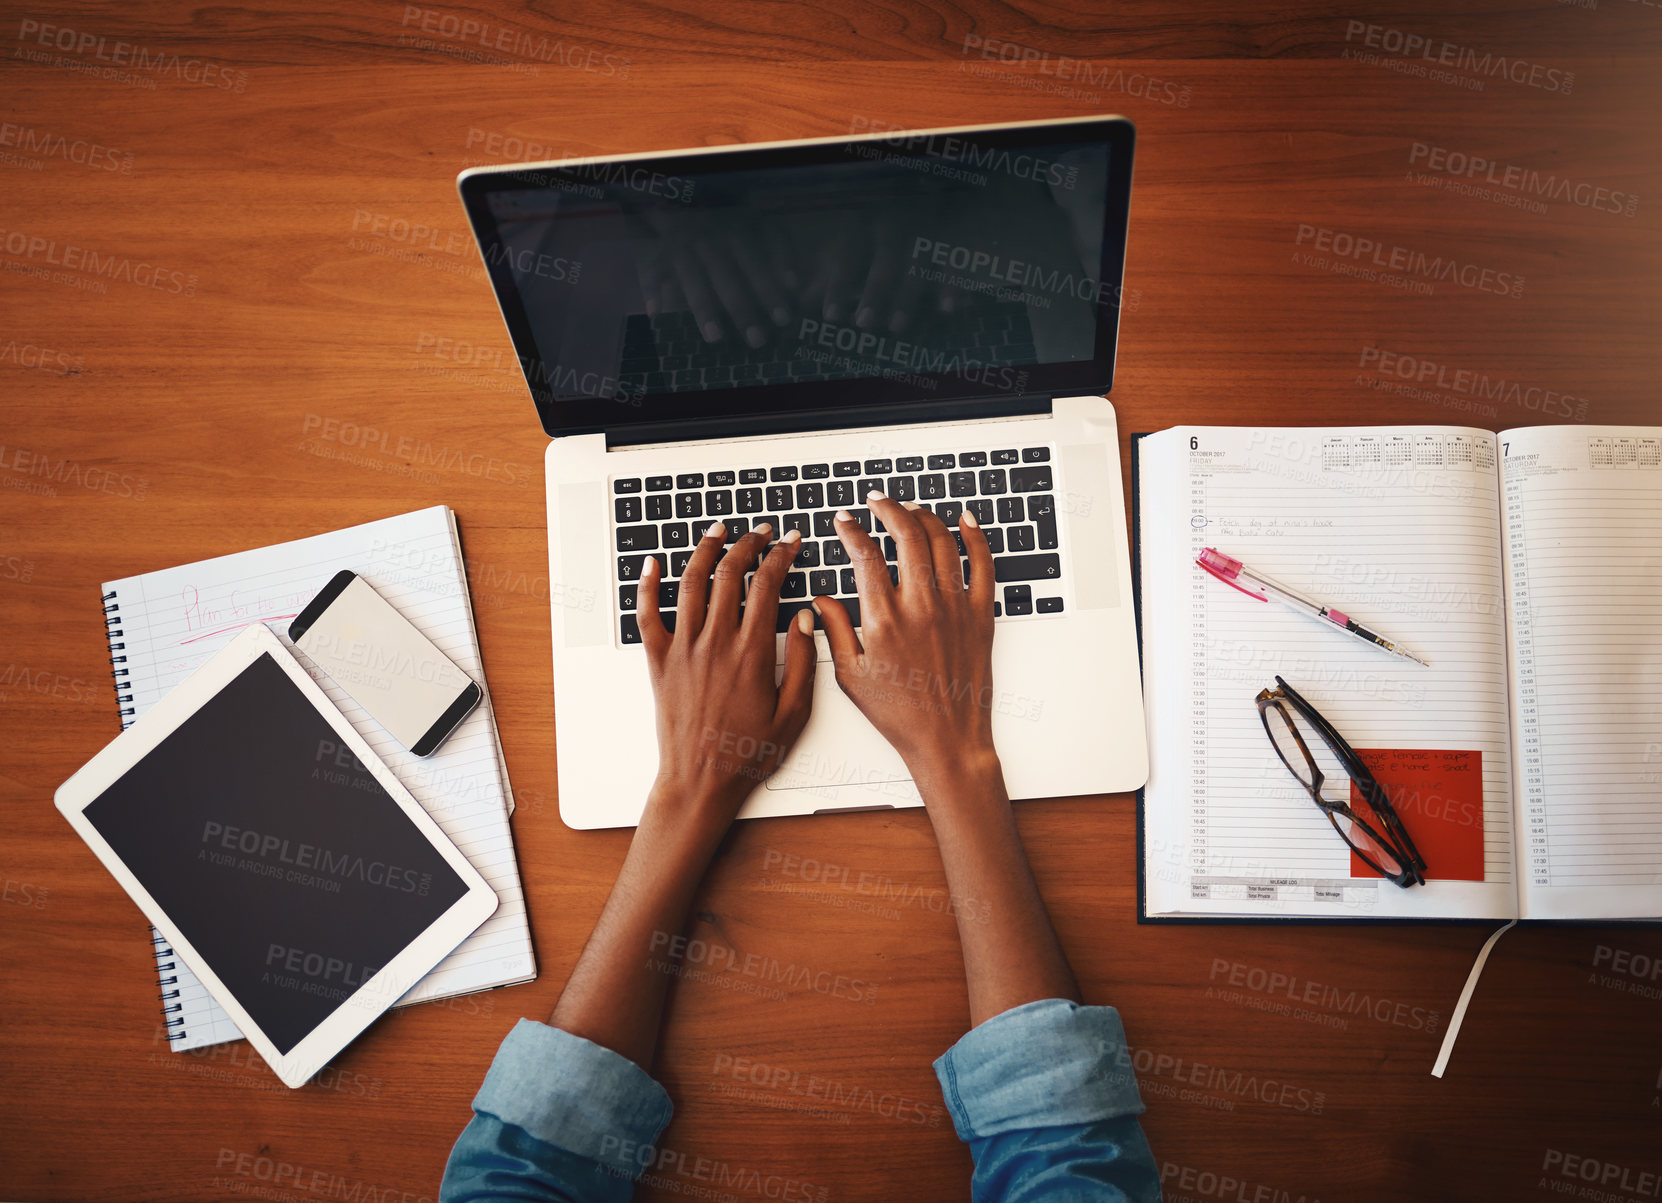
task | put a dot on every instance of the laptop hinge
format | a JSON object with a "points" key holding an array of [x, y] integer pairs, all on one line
{"points": [[727, 426]]}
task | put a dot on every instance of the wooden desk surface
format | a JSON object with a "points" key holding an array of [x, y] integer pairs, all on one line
{"points": [[209, 394]]}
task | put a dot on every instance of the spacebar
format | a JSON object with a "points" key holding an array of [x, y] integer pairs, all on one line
{"points": [[1027, 568], [788, 609]]}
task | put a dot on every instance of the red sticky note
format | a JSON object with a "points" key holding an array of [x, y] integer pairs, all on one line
{"points": [[1438, 795]]}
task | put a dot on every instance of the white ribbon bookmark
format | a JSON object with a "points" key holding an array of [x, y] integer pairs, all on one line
{"points": [[1465, 998]]}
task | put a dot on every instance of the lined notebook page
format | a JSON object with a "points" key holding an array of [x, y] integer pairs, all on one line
{"points": [[174, 620], [1584, 562], [1400, 528]]}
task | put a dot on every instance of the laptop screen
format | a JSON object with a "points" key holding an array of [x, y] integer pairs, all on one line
{"points": [[905, 268]]}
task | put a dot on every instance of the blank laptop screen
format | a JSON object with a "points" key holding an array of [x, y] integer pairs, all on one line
{"points": [[916, 268]]}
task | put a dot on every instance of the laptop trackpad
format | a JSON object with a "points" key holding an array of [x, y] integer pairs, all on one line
{"points": [[839, 747]]}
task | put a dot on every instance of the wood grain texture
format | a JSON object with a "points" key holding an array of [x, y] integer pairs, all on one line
{"points": [[164, 428]]}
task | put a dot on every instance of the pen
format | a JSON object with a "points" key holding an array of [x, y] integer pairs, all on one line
{"points": [[1231, 572]]}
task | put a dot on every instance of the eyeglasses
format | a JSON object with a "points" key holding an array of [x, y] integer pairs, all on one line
{"points": [[1389, 853]]}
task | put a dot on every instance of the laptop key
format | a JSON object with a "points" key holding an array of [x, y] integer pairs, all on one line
{"points": [[1030, 480], [1010, 510], [627, 509], [825, 525], [972, 459], [835, 553], [1007, 456], [879, 467], [750, 501], [995, 539], [941, 462], [698, 528], [1041, 506], [932, 486], [626, 596], [796, 585], [992, 481], [839, 493], [1039, 567], [822, 581], [1035, 455], [810, 496], [689, 505], [807, 556], [720, 478], [815, 471], [787, 614], [846, 467], [690, 480], [659, 484], [629, 484], [674, 534], [678, 562], [962, 484], [629, 567], [1047, 532], [631, 628], [780, 497], [848, 582], [637, 538], [948, 511], [769, 520], [753, 476], [901, 488], [1022, 538], [851, 604], [658, 507], [797, 522], [737, 528], [1018, 600], [718, 501], [982, 509], [1050, 605], [866, 485], [788, 472], [909, 463]]}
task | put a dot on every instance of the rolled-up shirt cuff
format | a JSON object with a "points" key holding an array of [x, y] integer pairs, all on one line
{"points": [[1040, 1065], [572, 1093]]}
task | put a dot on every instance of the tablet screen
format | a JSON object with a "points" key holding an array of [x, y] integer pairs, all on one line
{"points": [[278, 855]]}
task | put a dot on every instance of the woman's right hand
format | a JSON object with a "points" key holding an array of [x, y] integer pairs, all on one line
{"points": [[921, 667]]}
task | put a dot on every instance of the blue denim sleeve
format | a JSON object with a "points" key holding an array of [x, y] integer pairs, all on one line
{"points": [[1046, 1097], [558, 1118]]}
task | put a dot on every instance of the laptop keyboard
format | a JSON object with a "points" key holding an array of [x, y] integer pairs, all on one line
{"points": [[1010, 491]]}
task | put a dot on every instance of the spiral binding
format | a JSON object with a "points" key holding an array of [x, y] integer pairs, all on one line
{"points": [[165, 957], [112, 627], [166, 961]]}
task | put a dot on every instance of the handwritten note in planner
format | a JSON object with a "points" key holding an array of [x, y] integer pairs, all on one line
{"points": [[1584, 508], [1398, 528], [174, 620]]}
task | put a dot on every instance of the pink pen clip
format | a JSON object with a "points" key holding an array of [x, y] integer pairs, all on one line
{"points": [[1226, 570]]}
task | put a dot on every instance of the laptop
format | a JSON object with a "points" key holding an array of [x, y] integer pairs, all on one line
{"points": [[767, 332]]}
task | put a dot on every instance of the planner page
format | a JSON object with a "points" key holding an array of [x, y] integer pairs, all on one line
{"points": [[1583, 530], [1398, 528]]}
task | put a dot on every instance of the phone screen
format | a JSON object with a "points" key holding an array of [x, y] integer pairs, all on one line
{"points": [[391, 669]]}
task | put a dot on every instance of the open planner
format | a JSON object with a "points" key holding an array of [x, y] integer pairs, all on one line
{"points": [[162, 625], [1525, 761]]}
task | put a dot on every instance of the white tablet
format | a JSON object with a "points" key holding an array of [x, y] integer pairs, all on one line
{"points": [[281, 858]]}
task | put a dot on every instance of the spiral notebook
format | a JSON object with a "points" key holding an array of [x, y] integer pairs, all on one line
{"points": [[162, 625]]}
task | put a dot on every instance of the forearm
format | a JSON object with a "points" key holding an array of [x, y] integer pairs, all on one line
{"points": [[615, 997], [1011, 954]]}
